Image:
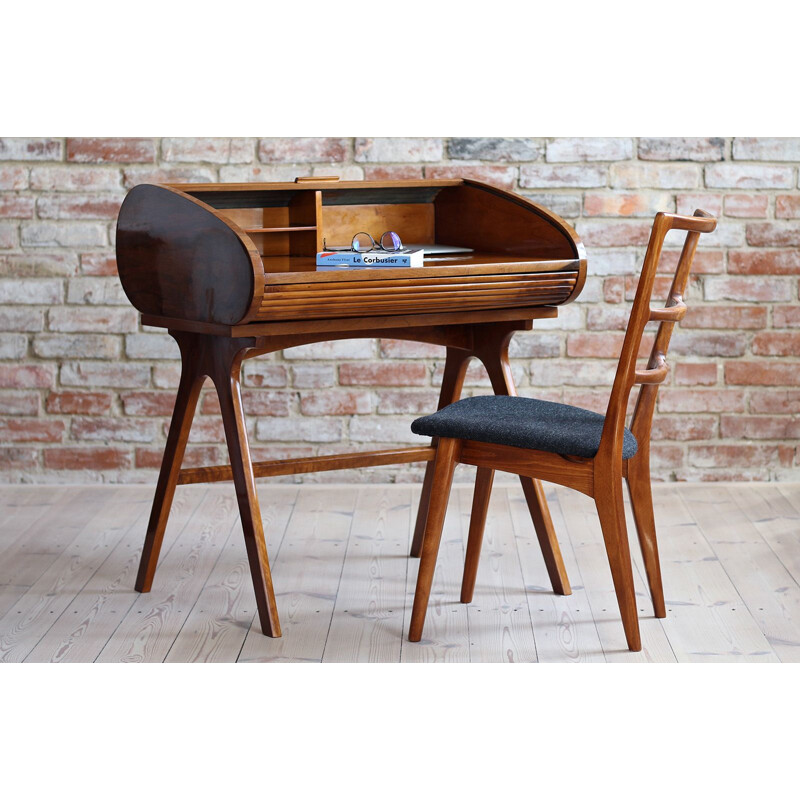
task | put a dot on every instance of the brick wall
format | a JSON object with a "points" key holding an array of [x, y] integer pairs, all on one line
{"points": [[86, 393]]}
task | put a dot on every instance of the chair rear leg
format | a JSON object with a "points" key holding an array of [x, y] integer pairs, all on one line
{"points": [[477, 522], [610, 510], [443, 469], [641, 496], [545, 533]]}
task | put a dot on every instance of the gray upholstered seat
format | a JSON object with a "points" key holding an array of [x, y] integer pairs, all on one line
{"points": [[522, 422]]}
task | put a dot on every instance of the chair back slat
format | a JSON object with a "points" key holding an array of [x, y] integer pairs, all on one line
{"points": [[641, 313]]}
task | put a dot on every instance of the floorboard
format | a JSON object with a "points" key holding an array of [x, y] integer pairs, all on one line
{"points": [[344, 583]]}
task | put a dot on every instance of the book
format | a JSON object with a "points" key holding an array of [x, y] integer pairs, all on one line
{"points": [[340, 259]]}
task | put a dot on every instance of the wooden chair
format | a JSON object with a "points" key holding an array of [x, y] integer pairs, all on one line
{"points": [[570, 446]]}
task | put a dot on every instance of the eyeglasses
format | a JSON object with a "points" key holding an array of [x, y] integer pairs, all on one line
{"points": [[363, 243]]}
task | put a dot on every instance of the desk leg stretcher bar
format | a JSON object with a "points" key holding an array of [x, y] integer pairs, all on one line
{"points": [[220, 358]]}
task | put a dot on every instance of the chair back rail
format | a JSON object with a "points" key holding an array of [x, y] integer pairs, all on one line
{"points": [[641, 313]]}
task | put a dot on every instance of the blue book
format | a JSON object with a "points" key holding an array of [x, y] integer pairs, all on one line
{"points": [[374, 259]]}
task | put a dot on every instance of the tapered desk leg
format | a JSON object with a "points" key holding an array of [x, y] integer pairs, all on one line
{"points": [[185, 404], [225, 374], [455, 368], [493, 351]]}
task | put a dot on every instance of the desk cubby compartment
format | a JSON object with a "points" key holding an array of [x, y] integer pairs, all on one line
{"points": [[233, 254]]}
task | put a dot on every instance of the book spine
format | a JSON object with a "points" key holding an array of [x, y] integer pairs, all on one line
{"points": [[369, 260]]}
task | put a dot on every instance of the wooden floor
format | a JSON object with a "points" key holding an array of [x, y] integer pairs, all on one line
{"points": [[344, 583]]}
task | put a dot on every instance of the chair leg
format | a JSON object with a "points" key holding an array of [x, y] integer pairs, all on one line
{"points": [[641, 496], [477, 522], [455, 368], [610, 509], [185, 404], [226, 380], [545, 533], [444, 466]]}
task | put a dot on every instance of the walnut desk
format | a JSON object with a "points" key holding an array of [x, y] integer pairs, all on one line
{"points": [[229, 270]]}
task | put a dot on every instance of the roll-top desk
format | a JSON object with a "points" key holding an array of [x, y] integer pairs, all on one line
{"points": [[229, 270]]}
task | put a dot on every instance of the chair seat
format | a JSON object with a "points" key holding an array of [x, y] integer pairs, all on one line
{"points": [[522, 422]]}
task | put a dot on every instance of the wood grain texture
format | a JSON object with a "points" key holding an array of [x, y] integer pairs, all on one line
{"points": [[729, 560], [88, 622], [308, 569]]}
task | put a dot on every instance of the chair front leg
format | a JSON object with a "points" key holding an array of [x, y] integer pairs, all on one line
{"points": [[443, 468], [611, 511]]}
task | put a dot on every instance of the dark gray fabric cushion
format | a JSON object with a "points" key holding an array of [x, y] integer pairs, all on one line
{"points": [[522, 422]]}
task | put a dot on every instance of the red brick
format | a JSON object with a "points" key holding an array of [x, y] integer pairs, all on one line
{"points": [[749, 427], [259, 403], [281, 452], [393, 172], [747, 289], [118, 376], [336, 403], [83, 403], [19, 149], [665, 456], [766, 262], [614, 289], [75, 179], [614, 234], [706, 262], [78, 206], [775, 402], [91, 458], [151, 457], [762, 373], [25, 404], [734, 317], [71, 319], [21, 319], [383, 374], [684, 428], [213, 150], [695, 374], [700, 401], [119, 151], [414, 401], [9, 238], [682, 148], [13, 178], [297, 150], [746, 205], [626, 205], [657, 176], [31, 430], [595, 400], [786, 317], [727, 345], [27, 376], [26, 458], [748, 176], [264, 373], [504, 177], [599, 318], [113, 429], [204, 429], [594, 345], [133, 176], [733, 455], [776, 344], [787, 206], [687, 204], [773, 234], [101, 264], [396, 348], [14, 206], [148, 404], [557, 176]]}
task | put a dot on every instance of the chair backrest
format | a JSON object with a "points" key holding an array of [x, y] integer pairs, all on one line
{"points": [[641, 313]]}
